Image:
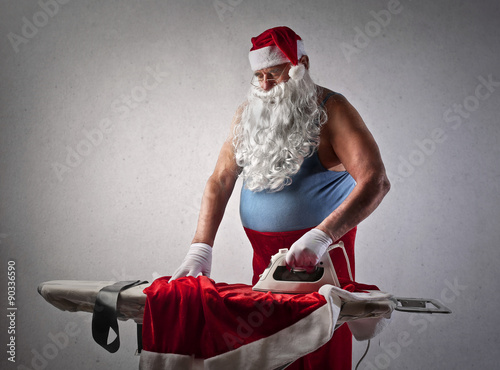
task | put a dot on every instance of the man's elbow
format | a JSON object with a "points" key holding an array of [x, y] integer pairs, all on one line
{"points": [[223, 181], [384, 184], [378, 185]]}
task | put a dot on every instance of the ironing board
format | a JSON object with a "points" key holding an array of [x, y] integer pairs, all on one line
{"points": [[366, 313], [80, 296]]}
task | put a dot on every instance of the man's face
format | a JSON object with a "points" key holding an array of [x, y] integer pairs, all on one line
{"points": [[267, 78]]}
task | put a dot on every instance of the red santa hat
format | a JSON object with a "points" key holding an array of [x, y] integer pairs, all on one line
{"points": [[277, 46]]}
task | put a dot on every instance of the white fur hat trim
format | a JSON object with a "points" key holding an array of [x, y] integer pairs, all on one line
{"points": [[271, 56]]}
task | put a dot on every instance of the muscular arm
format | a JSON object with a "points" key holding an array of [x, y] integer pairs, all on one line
{"points": [[217, 192], [358, 152]]}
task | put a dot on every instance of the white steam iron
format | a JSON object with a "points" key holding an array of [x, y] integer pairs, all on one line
{"points": [[279, 278]]}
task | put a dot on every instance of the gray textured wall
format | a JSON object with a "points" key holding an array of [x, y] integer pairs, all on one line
{"points": [[112, 114]]}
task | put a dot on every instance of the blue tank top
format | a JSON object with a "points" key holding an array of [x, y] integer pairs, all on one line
{"points": [[313, 194]]}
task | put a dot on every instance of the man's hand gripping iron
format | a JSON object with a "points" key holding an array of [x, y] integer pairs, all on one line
{"points": [[305, 268], [308, 250]]}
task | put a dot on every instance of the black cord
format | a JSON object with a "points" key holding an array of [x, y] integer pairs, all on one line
{"points": [[364, 354]]}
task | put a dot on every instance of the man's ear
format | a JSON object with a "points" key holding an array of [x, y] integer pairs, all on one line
{"points": [[304, 59]]}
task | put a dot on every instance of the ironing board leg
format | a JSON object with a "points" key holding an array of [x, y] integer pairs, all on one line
{"points": [[139, 339]]}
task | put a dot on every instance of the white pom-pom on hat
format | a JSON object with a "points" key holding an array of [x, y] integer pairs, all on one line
{"points": [[297, 72]]}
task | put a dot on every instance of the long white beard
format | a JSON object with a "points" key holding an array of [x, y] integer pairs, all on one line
{"points": [[277, 130]]}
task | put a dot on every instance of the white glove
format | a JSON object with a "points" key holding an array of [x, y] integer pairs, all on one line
{"points": [[198, 261], [308, 250]]}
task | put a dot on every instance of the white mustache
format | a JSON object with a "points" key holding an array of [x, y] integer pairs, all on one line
{"points": [[271, 96]]}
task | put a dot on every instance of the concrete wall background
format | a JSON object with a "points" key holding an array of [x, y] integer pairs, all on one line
{"points": [[154, 84]]}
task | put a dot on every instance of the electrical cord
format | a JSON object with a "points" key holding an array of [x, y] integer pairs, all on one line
{"points": [[364, 354]]}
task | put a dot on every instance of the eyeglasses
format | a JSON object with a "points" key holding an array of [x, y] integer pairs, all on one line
{"points": [[272, 76]]}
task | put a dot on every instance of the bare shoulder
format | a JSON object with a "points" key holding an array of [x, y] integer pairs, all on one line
{"points": [[329, 97], [345, 137], [333, 101], [237, 115], [241, 108], [226, 162], [341, 114]]}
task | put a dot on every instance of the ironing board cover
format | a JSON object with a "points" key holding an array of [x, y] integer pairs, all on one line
{"points": [[80, 296], [195, 322]]}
